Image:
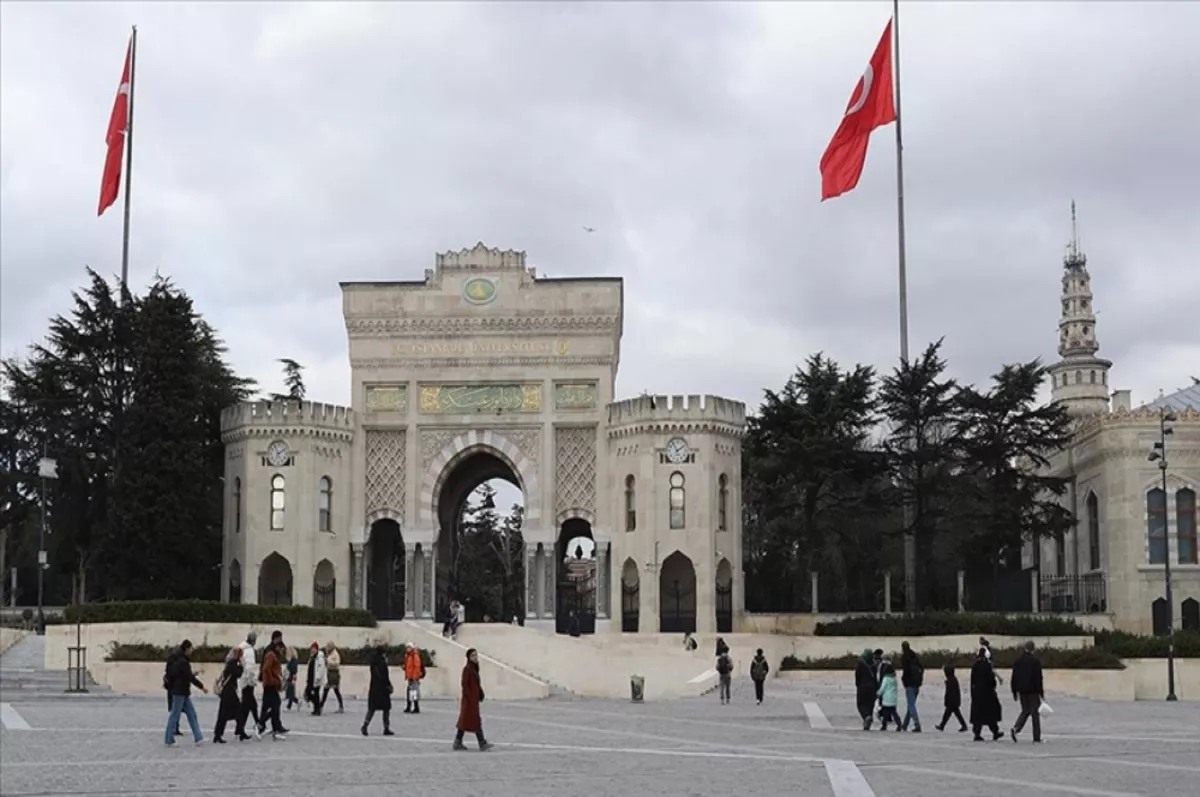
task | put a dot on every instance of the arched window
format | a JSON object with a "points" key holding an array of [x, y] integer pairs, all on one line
{"points": [[677, 500], [722, 501], [1093, 527], [324, 502], [237, 505], [630, 504], [1092, 376], [1185, 525], [1156, 525], [277, 502], [1079, 377]]}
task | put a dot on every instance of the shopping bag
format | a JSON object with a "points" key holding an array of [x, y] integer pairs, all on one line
{"points": [[1045, 709]]}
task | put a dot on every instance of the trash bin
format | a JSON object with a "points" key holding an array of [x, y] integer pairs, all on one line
{"points": [[637, 687]]}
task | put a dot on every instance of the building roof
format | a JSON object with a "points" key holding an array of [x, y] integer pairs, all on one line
{"points": [[1188, 398]]}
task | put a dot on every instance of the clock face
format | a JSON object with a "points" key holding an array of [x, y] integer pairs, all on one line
{"points": [[277, 453], [677, 450]]}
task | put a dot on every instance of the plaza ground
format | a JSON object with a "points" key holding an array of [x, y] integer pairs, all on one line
{"points": [[805, 739]]}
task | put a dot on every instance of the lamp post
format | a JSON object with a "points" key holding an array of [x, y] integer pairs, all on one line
{"points": [[1159, 454], [47, 469]]}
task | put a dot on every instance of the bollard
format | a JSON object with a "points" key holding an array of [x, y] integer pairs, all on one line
{"points": [[637, 688]]}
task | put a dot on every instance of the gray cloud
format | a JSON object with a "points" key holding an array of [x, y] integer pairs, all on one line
{"points": [[282, 148]]}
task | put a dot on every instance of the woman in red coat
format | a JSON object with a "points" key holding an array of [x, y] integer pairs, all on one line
{"points": [[468, 711]]}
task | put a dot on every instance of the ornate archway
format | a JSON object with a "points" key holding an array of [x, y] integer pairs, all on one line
{"points": [[495, 444], [630, 595], [275, 581], [677, 595], [324, 585], [385, 570], [724, 596], [578, 576]]}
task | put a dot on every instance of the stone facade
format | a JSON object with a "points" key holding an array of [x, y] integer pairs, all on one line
{"points": [[484, 370]]}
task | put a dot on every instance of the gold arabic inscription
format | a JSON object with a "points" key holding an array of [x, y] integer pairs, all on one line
{"points": [[452, 399]]}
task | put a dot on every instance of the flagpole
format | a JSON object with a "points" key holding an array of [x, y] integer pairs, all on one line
{"points": [[128, 166]]}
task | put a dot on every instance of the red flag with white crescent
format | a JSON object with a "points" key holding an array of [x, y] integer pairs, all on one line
{"points": [[118, 127]]}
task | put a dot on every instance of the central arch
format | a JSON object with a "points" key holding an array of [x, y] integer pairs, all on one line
{"points": [[480, 560]]}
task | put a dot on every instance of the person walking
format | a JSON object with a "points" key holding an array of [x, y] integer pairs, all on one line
{"points": [[181, 680], [469, 719], [952, 701], [333, 675], [724, 676], [414, 672], [228, 690], [293, 669], [315, 678], [985, 706], [1029, 691], [866, 687], [888, 694], [246, 685], [758, 673], [379, 693], [912, 675], [166, 682], [271, 674]]}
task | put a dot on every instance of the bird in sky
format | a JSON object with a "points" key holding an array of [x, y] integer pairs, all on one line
{"points": [[588, 229]]}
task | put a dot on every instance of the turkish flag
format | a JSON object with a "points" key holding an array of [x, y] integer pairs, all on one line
{"points": [[871, 106], [118, 126]]}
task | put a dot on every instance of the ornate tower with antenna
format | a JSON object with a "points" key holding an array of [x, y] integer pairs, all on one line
{"points": [[1080, 378]]}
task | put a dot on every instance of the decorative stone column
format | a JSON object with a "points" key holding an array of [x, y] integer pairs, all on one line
{"points": [[549, 576], [602, 598], [358, 576], [410, 581], [427, 586], [531, 583]]}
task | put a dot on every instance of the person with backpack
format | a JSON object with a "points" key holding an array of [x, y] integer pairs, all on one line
{"points": [[912, 675], [180, 680], [725, 675], [758, 673]]}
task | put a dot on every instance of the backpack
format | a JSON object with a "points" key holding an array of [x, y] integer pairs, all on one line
{"points": [[758, 669], [724, 665]]}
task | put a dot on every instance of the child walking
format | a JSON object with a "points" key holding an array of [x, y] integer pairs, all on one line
{"points": [[888, 693], [952, 701]]}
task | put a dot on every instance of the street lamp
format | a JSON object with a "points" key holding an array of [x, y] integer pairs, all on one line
{"points": [[47, 469], [1159, 454]]}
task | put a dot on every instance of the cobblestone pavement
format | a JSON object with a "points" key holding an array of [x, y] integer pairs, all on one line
{"points": [[805, 739]]}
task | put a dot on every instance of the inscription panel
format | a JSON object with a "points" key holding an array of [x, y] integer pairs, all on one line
{"points": [[481, 348], [457, 399], [575, 396], [387, 398]]}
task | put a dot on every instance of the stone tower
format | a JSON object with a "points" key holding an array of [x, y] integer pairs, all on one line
{"points": [[1080, 378]]}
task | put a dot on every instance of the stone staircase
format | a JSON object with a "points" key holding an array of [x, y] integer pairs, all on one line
{"points": [[23, 675]]}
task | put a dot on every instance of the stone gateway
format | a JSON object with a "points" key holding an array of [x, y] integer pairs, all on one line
{"points": [[484, 370]]}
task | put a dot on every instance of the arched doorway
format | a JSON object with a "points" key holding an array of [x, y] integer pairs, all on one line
{"points": [[324, 585], [724, 597], [480, 550], [677, 595], [235, 582], [575, 553], [385, 570], [630, 595], [275, 581]]}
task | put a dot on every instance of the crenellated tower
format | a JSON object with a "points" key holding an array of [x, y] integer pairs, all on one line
{"points": [[1080, 378]]}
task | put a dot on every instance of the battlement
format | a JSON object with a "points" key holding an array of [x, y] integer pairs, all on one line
{"points": [[661, 409], [287, 414], [480, 257]]}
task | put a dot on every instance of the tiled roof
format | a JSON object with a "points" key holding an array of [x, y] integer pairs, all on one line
{"points": [[1188, 398]]}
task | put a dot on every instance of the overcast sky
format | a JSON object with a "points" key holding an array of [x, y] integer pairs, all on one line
{"points": [[281, 148]]}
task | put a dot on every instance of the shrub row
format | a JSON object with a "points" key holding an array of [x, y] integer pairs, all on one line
{"points": [[215, 612], [951, 624], [1132, 646], [214, 654], [934, 660]]}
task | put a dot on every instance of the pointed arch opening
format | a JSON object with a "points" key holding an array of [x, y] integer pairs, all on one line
{"points": [[235, 581], [630, 596], [385, 570], [1093, 529], [677, 595], [724, 600], [324, 585], [275, 581], [575, 607], [1156, 526]]}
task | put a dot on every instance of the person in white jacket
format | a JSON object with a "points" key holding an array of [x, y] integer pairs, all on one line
{"points": [[316, 677], [333, 676], [246, 686]]}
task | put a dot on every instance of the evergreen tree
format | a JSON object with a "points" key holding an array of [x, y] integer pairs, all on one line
{"points": [[293, 381]]}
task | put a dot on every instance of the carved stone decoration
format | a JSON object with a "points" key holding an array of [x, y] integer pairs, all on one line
{"points": [[386, 469], [427, 585], [410, 582], [462, 399], [529, 441], [549, 576], [531, 584], [602, 580], [575, 396], [358, 575], [387, 398], [575, 468], [432, 442]]}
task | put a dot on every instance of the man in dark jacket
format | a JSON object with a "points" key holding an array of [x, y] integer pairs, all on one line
{"points": [[180, 680], [866, 685], [912, 676], [1027, 688], [758, 673], [167, 686]]}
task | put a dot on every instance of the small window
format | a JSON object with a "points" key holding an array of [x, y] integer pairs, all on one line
{"points": [[1093, 527], [1087, 330], [277, 502], [677, 501], [237, 505], [325, 502], [722, 501], [630, 504], [1060, 554], [1185, 525], [1079, 377], [1093, 375], [1156, 525]]}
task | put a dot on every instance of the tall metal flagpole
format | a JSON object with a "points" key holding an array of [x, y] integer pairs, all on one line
{"points": [[128, 166], [910, 542]]}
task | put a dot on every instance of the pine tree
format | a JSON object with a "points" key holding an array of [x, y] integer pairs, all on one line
{"points": [[293, 380]]}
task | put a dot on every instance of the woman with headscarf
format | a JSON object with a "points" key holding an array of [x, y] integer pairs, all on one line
{"points": [[469, 720], [985, 706], [315, 678], [866, 686], [379, 693], [230, 695]]}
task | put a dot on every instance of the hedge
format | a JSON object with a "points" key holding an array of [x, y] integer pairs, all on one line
{"points": [[1132, 646], [934, 660], [215, 654], [215, 612], [950, 624]]}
